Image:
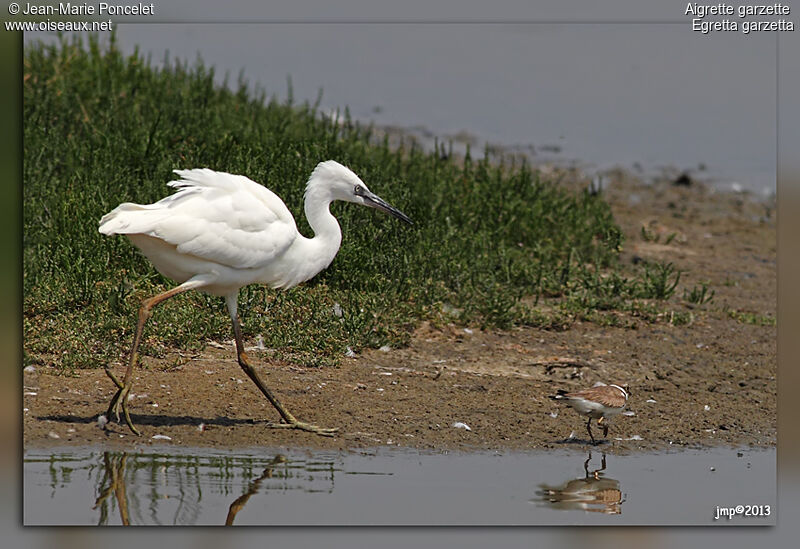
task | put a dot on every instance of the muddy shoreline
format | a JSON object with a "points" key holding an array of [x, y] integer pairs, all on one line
{"points": [[711, 382]]}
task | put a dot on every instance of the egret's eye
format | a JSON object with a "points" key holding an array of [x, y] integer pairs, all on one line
{"points": [[358, 190]]}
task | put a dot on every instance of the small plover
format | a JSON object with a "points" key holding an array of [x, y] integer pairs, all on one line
{"points": [[598, 402]]}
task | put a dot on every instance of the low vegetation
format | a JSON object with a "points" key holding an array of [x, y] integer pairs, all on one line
{"points": [[492, 246]]}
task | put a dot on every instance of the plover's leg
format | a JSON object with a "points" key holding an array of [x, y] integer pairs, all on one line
{"points": [[589, 428], [604, 424]]}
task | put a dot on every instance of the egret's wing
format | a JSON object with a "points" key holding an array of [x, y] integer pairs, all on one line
{"points": [[224, 218]]}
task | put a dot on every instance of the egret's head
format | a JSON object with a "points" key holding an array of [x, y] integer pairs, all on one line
{"points": [[343, 184]]}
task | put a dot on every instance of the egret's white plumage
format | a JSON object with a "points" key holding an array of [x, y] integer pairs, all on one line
{"points": [[228, 231], [221, 232]]}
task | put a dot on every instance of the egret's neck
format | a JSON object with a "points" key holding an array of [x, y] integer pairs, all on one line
{"points": [[327, 234]]}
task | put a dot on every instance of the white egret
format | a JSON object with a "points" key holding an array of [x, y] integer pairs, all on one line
{"points": [[221, 232]]}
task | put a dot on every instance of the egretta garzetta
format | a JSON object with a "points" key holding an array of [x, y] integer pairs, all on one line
{"points": [[221, 232]]}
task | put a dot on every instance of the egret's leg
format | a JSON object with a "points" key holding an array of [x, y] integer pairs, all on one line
{"points": [[290, 421], [589, 428], [124, 388]]}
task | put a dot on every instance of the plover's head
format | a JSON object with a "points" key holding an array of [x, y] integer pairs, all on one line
{"points": [[624, 387]]}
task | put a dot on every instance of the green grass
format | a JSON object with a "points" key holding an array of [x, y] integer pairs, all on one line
{"points": [[749, 317], [489, 241], [699, 294]]}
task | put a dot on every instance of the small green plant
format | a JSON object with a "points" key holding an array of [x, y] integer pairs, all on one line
{"points": [[659, 281], [652, 236], [681, 318], [749, 317], [699, 295], [648, 235]]}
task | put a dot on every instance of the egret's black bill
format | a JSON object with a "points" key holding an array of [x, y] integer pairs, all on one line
{"points": [[375, 201]]}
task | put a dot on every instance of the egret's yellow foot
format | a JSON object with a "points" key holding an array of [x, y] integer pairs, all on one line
{"points": [[303, 426], [120, 399]]}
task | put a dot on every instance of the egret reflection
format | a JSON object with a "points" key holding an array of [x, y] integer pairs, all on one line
{"points": [[113, 482], [255, 486], [163, 489]]}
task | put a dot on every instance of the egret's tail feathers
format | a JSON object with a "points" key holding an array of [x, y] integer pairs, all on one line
{"points": [[212, 185], [203, 178], [130, 218]]}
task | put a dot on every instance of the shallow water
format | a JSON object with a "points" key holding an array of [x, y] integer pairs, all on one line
{"points": [[182, 486]]}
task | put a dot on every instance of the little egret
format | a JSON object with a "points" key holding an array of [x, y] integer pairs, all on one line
{"points": [[221, 232]]}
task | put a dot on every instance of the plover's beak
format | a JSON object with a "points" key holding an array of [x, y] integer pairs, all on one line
{"points": [[374, 201]]}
